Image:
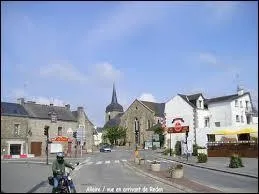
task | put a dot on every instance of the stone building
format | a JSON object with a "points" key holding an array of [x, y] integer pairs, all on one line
{"points": [[31, 118], [138, 119]]}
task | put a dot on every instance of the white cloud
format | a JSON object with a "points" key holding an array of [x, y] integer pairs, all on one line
{"points": [[63, 71], [147, 97], [208, 58], [45, 100], [105, 73]]}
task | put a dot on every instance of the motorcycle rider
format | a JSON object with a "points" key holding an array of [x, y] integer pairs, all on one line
{"points": [[58, 169]]}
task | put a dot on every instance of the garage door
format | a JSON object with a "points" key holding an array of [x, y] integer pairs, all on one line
{"points": [[36, 148]]}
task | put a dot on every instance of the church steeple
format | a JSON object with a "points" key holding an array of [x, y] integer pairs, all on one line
{"points": [[114, 96], [114, 106]]}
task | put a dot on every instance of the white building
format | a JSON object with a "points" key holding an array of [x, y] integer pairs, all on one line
{"points": [[205, 115], [98, 136]]}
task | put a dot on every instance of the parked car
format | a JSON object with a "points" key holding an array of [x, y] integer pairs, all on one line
{"points": [[105, 149]]}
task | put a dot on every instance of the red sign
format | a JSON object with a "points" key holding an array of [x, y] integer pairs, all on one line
{"points": [[61, 139], [178, 128]]}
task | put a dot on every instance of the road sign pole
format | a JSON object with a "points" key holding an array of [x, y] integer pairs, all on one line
{"points": [[170, 144]]}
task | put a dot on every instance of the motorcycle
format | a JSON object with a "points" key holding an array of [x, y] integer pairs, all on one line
{"points": [[65, 184]]}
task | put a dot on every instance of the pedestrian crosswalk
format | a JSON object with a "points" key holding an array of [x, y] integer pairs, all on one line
{"points": [[103, 162]]}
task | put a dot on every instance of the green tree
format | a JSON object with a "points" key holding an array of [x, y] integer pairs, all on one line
{"points": [[113, 134], [159, 130]]}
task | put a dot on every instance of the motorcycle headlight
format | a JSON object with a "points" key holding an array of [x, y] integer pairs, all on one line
{"points": [[69, 178]]}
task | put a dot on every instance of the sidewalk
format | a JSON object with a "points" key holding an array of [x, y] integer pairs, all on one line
{"points": [[250, 168]]}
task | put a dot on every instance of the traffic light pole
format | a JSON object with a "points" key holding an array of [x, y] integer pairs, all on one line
{"points": [[47, 149]]}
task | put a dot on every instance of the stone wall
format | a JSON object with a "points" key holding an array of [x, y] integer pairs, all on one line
{"points": [[139, 111], [7, 133]]}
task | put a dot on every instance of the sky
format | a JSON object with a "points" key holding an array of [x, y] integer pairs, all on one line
{"points": [[73, 52]]}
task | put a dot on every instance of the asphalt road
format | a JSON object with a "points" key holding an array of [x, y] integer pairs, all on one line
{"points": [[100, 172]]}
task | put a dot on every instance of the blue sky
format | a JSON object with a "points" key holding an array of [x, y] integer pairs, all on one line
{"points": [[72, 52]]}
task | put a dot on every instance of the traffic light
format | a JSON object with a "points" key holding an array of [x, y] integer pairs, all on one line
{"points": [[75, 134], [46, 130]]}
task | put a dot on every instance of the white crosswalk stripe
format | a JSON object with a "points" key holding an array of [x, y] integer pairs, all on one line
{"points": [[149, 161], [99, 162], [107, 162], [117, 161], [124, 160]]}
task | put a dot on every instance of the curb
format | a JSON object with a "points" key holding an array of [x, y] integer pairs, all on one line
{"points": [[209, 168], [180, 187]]}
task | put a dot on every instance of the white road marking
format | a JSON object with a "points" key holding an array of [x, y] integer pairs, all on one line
{"points": [[89, 163], [107, 162], [117, 161], [149, 161], [100, 162], [124, 160]]}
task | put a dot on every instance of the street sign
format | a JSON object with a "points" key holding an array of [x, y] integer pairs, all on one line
{"points": [[80, 134]]}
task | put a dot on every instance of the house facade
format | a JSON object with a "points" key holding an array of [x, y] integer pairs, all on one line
{"points": [[61, 121], [203, 116]]}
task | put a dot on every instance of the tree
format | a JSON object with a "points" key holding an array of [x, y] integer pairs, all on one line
{"points": [[159, 130], [113, 134]]}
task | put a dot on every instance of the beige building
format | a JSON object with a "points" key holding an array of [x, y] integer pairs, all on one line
{"points": [[139, 119], [29, 119]]}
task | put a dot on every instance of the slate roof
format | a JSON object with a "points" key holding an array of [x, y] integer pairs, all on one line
{"points": [[190, 99], [158, 108], [225, 98], [114, 106], [42, 112], [114, 122], [13, 109]]}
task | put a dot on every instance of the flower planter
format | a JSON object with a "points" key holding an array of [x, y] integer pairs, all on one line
{"points": [[177, 173], [155, 167], [141, 161]]}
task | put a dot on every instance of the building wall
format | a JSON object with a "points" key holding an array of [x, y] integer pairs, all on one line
{"points": [[7, 133], [37, 128], [98, 139], [221, 112], [112, 115], [240, 110], [137, 110], [175, 108]]}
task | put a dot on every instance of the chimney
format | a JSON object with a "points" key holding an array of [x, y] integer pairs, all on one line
{"points": [[240, 91], [67, 106], [20, 100]]}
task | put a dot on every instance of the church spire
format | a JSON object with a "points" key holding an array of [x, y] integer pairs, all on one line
{"points": [[114, 97]]}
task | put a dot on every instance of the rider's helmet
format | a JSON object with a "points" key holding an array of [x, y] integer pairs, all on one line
{"points": [[60, 157]]}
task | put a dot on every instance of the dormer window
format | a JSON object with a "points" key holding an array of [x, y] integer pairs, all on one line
{"points": [[199, 103]]}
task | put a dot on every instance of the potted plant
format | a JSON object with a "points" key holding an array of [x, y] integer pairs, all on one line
{"points": [[155, 166], [176, 171]]}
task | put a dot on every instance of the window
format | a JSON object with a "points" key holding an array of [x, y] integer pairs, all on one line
{"points": [[237, 118], [241, 104], [242, 119], [59, 131], [148, 124], [217, 124], [211, 137], [109, 117], [158, 121], [236, 103], [247, 104], [16, 129], [207, 122], [199, 105]]}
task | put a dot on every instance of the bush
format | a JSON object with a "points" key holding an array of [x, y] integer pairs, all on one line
{"points": [[166, 151], [178, 149], [202, 158], [235, 161], [195, 149]]}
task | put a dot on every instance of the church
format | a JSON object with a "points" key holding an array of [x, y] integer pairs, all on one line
{"points": [[139, 119]]}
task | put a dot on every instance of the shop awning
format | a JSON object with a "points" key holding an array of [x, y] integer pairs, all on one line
{"points": [[247, 130], [224, 132]]}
